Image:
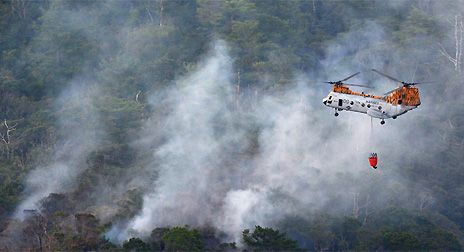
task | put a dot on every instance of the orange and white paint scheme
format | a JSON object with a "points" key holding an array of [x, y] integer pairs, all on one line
{"points": [[398, 102]]}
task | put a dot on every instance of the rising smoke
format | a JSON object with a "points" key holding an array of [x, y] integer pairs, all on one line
{"points": [[306, 157], [303, 158], [77, 122]]}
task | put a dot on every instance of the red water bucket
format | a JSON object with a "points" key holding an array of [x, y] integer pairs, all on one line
{"points": [[373, 160]]}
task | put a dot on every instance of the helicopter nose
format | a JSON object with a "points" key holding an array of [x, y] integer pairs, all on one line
{"points": [[324, 101]]}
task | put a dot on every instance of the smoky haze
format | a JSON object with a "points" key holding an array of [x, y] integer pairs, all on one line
{"points": [[214, 162], [77, 122], [306, 160]]}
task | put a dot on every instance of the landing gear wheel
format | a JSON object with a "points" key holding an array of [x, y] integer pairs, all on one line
{"points": [[336, 114], [394, 117], [382, 122]]}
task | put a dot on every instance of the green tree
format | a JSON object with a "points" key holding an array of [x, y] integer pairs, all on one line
{"points": [[62, 48], [130, 205], [9, 196], [417, 27], [268, 239], [157, 242], [347, 233], [136, 244], [322, 236], [401, 241], [441, 240], [183, 239]]}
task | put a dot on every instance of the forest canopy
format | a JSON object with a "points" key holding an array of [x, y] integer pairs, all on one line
{"points": [[198, 125]]}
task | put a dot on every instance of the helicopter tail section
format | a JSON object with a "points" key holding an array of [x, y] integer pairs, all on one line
{"points": [[408, 96]]}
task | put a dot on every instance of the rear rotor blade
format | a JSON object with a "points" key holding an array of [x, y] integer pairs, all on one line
{"points": [[389, 77], [396, 89], [356, 85], [420, 83], [351, 76]]}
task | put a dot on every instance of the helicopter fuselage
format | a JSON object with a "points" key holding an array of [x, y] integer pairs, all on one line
{"points": [[341, 98]]}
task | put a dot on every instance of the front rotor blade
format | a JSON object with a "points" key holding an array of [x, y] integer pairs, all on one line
{"points": [[389, 77], [306, 81], [351, 76]]}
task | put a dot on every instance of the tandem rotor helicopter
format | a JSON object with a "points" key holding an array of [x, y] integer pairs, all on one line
{"points": [[391, 105]]}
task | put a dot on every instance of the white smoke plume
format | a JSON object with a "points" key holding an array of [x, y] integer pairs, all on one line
{"points": [[200, 125], [288, 155], [77, 122], [306, 159]]}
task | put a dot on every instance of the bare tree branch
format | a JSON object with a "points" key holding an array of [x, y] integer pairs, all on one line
{"points": [[356, 205], [161, 13], [458, 39], [6, 138], [149, 14], [20, 7], [445, 53], [367, 213], [137, 96]]}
